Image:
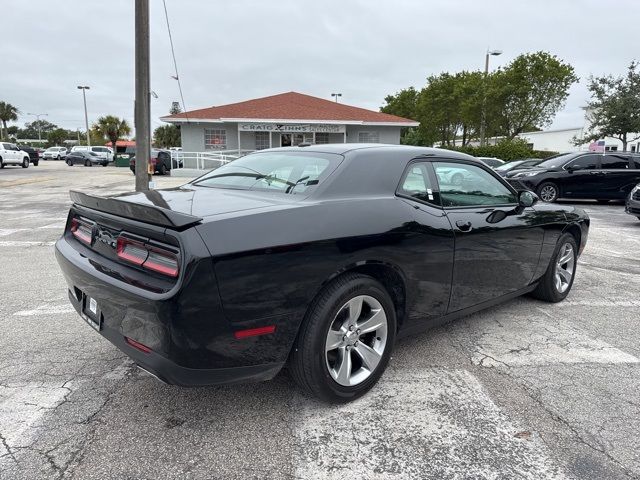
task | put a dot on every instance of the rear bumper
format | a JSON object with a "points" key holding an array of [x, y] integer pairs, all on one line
{"points": [[188, 349]]}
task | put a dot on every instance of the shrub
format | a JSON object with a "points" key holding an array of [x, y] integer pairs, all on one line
{"points": [[506, 150]]}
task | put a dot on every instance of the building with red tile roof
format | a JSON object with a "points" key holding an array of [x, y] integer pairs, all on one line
{"points": [[282, 120]]}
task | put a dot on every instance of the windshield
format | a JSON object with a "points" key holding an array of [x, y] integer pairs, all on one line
{"points": [[284, 172], [556, 161], [508, 166]]}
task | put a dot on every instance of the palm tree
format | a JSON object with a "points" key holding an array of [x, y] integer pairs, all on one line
{"points": [[7, 113], [111, 127]]}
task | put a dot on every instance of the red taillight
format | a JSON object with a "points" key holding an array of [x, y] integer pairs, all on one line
{"points": [[148, 256], [254, 332], [138, 345], [82, 230]]}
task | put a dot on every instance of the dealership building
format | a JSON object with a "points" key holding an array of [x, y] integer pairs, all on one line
{"points": [[286, 119]]}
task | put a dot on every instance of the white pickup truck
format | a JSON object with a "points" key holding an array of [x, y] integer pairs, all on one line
{"points": [[10, 154]]}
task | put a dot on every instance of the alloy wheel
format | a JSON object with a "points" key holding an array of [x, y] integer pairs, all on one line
{"points": [[565, 266], [548, 193], [356, 340]]}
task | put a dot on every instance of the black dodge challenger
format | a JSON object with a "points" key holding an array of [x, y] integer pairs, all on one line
{"points": [[319, 256]]}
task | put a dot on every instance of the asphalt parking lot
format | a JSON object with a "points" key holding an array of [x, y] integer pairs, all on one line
{"points": [[526, 390]]}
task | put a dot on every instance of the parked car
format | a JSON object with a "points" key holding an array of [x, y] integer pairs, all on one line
{"points": [[517, 165], [597, 176], [88, 159], [160, 159], [491, 161], [55, 153], [318, 256], [34, 158], [11, 154], [632, 204], [102, 152]]}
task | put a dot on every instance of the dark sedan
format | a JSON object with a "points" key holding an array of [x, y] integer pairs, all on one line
{"points": [[319, 256], [516, 165], [584, 175], [88, 159], [632, 205]]}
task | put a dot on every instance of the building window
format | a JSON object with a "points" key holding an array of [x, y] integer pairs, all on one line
{"points": [[215, 139], [368, 137], [322, 137], [262, 140]]}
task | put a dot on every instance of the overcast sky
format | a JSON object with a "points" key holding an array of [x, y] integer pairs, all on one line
{"points": [[234, 50]]}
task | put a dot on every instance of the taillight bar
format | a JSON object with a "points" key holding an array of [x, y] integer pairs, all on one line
{"points": [[82, 230], [150, 257]]}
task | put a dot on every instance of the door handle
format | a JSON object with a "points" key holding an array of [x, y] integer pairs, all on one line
{"points": [[463, 226]]}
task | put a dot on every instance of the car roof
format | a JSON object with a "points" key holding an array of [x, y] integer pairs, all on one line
{"points": [[343, 148]]}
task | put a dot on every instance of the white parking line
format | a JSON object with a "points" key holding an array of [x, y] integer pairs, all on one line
{"points": [[46, 310], [432, 423], [10, 231], [25, 243]]}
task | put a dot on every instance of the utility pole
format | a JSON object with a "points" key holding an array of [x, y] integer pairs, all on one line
{"points": [[142, 113], [86, 117], [38, 115], [483, 116]]}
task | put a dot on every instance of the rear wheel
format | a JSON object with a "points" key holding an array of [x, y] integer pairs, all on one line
{"points": [[58, 157], [25, 162], [70, 163], [345, 341], [557, 281], [87, 163], [1, 163], [163, 169], [35, 163], [548, 192]]}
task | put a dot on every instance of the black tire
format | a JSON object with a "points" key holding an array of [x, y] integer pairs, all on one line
{"points": [[69, 162], [549, 190], [307, 361], [133, 170], [35, 163], [457, 179], [88, 163], [547, 289], [58, 157], [1, 163], [25, 162], [163, 169]]}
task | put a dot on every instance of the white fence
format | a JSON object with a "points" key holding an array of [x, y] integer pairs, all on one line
{"points": [[204, 160]]}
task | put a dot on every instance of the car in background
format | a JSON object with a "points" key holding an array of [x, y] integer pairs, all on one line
{"points": [[103, 152], [584, 175], [88, 159], [54, 153], [34, 158], [508, 167], [11, 154], [491, 161], [632, 205], [40, 152], [160, 159]]}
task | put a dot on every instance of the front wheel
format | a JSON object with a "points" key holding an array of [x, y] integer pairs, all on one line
{"points": [[87, 163], [548, 192], [35, 163], [58, 157], [163, 169], [1, 163], [557, 281], [346, 339], [25, 162]]}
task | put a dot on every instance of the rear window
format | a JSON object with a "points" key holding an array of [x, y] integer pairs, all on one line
{"points": [[283, 172]]}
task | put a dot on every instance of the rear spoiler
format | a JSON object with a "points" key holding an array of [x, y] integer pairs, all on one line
{"points": [[152, 214]]}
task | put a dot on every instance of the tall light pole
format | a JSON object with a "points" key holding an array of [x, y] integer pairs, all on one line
{"points": [[38, 115], [336, 95], [142, 114], [483, 118], [86, 117]]}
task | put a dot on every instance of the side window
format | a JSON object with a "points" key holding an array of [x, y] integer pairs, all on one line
{"points": [[416, 184], [463, 185], [617, 162], [588, 162]]}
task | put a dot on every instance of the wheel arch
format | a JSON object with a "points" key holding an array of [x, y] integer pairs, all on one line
{"points": [[388, 274]]}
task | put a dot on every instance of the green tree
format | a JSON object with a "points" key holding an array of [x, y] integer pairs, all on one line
{"points": [[57, 137], [528, 92], [30, 129], [111, 128], [167, 136], [8, 113], [614, 108], [404, 104]]}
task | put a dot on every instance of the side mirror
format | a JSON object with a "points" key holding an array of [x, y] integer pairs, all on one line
{"points": [[527, 198]]}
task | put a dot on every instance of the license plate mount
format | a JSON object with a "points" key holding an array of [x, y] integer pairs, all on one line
{"points": [[90, 312]]}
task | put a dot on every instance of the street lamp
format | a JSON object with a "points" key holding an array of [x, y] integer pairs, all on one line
{"points": [[86, 118], [336, 95], [38, 115], [483, 119]]}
